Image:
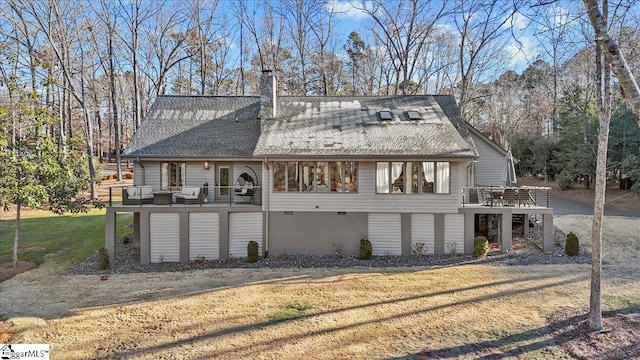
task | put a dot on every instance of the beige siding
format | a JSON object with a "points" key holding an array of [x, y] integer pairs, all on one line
{"points": [[204, 234], [197, 175], [164, 237], [244, 227], [385, 234], [454, 233], [366, 199], [490, 165], [423, 231]]}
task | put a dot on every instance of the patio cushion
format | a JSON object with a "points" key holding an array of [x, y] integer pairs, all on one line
{"points": [[139, 192], [132, 191]]}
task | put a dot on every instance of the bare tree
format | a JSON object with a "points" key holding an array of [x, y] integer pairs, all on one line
{"points": [[608, 58], [60, 29], [628, 83], [403, 29], [481, 26], [165, 42]]}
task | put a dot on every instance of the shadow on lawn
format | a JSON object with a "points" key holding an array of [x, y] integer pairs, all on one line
{"points": [[568, 329], [260, 345]]}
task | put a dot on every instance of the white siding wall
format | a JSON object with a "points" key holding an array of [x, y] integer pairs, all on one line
{"points": [[164, 237], [454, 233], [490, 165], [204, 235], [385, 234], [137, 174], [197, 175], [423, 231], [366, 199], [244, 227], [151, 175]]}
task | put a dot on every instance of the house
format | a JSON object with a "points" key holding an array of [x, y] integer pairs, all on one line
{"points": [[307, 175]]}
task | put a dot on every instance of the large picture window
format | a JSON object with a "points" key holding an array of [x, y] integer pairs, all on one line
{"points": [[412, 177], [315, 176]]}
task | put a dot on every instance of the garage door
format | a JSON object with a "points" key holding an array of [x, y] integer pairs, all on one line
{"points": [[385, 234], [454, 233], [244, 227], [423, 232], [164, 237], [204, 235]]}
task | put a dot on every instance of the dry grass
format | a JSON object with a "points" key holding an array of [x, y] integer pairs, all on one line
{"points": [[346, 314]]}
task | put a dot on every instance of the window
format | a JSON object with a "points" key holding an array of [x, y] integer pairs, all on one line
{"points": [[412, 177], [413, 115], [172, 174], [279, 171], [293, 176], [385, 115], [318, 177]]}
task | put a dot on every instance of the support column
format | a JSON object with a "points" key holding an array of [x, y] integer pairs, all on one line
{"points": [[405, 237], [136, 230], [224, 235], [547, 232], [505, 220], [145, 254], [469, 232], [110, 235], [438, 247], [525, 226], [184, 236]]}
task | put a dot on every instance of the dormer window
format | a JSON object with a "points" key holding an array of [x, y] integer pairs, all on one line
{"points": [[385, 115], [414, 115]]}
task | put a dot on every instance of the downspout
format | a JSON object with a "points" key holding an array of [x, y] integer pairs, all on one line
{"points": [[266, 185], [144, 180]]}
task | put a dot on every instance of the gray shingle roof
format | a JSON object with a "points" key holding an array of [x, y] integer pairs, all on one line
{"points": [[198, 127], [350, 126]]}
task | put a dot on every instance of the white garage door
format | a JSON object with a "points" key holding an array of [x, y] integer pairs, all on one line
{"points": [[244, 227], [454, 233], [164, 237], [385, 234], [204, 235], [423, 232]]}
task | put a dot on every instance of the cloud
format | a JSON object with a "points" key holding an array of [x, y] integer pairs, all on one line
{"points": [[349, 9], [519, 21], [521, 54]]}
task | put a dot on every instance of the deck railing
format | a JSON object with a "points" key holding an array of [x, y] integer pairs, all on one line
{"points": [[495, 196], [211, 195]]}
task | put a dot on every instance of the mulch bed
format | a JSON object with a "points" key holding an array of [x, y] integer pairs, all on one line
{"points": [[7, 271], [620, 340]]}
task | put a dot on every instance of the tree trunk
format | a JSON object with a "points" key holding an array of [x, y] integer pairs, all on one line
{"points": [[611, 50], [603, 70], [16, 236]]}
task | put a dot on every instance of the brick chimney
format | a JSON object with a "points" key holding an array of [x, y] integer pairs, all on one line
{"points": [[268, 94]]}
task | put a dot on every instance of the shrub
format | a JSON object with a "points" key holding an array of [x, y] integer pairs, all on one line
{"points": [[572, 248], [564, 180], [453, 249], [366, 250], [480, 247], [253, 253], [103, 259], [419, 249]]}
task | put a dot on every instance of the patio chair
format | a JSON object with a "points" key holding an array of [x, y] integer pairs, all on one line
{"points": [[523, 197], [486, 196], [473, 196], [509, 197], [244, 188]]}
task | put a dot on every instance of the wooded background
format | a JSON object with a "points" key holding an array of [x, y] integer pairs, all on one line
{"points": [[89, 70]]}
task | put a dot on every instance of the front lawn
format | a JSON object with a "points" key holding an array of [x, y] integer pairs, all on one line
{"points": [[61, 239]]}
